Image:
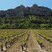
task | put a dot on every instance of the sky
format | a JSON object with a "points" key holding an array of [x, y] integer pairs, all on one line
{"points": [[9, 4]]}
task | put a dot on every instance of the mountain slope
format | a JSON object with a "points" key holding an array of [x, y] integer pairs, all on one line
{"points": [[22, 11]]}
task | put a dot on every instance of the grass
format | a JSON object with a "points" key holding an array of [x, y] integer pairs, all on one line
{"points": [[44, 38], [7, 35], [47, 34], [10, 35]]}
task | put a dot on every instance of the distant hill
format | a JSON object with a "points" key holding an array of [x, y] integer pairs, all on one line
{"points": [[26, 17], [22, 11]]}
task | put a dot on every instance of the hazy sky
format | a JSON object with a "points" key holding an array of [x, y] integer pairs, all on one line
{"points": [[7, 4]]}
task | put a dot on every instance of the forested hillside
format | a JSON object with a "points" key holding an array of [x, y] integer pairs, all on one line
{"points": [[26, 17]]}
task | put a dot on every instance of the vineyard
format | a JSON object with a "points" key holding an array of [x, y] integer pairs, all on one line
{"points": [[25, 40]]}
